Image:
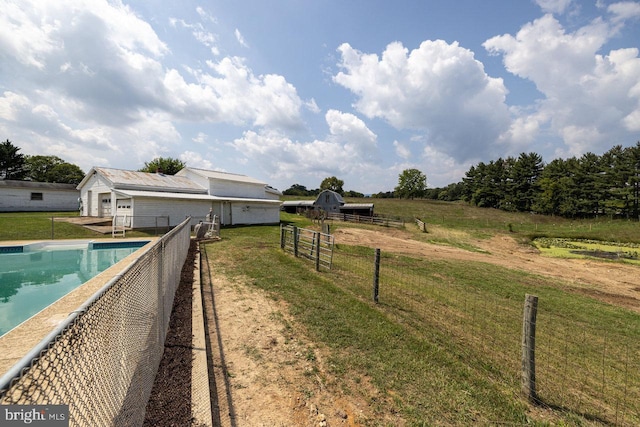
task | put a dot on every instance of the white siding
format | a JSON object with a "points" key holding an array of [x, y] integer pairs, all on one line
{"points": [[96, 188], [146, 209], [254, 213], [224, 188], [20, 200]]}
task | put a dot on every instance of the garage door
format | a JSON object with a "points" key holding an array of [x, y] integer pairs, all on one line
{"points": [[123, 211]]}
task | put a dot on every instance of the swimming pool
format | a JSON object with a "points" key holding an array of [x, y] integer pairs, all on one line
{"points": [[34, 276]]}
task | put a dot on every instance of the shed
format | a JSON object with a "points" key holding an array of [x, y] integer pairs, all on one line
{"points": [[144, 197], [328, 201], [29, 196]]}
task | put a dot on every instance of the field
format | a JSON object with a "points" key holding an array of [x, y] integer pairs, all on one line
{"points": [[443, 344]]}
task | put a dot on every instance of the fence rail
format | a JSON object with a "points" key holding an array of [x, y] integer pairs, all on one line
{"points": [[309, 244], [376, 219], [102, 360]]}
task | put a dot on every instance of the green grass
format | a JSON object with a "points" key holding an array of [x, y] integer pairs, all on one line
{"points": [[42, 226], [443, 345]]}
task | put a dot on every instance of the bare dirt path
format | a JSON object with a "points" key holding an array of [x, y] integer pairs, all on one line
{"points": [[265, 371], [612, 282]]}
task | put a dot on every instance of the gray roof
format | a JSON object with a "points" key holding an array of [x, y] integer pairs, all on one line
{"points": [[10, 183], [223, 175], [132, 180], [357, 206]]}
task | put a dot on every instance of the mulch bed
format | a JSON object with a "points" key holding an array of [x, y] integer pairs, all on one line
{"points": [[170, 401]]}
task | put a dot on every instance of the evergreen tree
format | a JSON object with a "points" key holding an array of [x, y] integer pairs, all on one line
{"points": [[12, 163]]}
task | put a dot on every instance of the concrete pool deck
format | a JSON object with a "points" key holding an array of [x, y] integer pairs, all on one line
{"points": [[16, 343]]}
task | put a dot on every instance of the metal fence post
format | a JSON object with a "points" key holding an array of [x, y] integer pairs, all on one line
{"points": [[52, 233], [376, 276], [282, 236], [316, 237], [529, 347], [295, 241]]}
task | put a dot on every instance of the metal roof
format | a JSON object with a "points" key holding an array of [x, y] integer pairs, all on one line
{"points": [[298, 203], [224, 176], [357, 206], [36, 185], [133, 180], [187, 196]]}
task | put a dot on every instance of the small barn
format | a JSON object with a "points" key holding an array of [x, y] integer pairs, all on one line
{"points": [[328, 201], [29, 196], [145, 197]]}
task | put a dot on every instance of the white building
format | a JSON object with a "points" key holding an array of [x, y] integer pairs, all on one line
{"points": [[150, 199], [29, 196]]}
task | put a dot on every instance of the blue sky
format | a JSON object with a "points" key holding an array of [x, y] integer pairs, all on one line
{"points": [[294, 91]]}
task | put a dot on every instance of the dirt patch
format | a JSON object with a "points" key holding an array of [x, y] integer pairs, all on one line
{"points": [[614, 283], [266, 372], [170, 401]]}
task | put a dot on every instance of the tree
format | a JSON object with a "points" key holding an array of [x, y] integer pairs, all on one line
{"points": [[296, 190], [38, 167], [165, 165], [523, 185], [11, 162], [65, 173], [332, 183], [52, 169], [411, 183]]}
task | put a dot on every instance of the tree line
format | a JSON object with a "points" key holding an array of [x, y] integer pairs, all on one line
{"points": [[20, 167], [17, 166], [577, 187]]}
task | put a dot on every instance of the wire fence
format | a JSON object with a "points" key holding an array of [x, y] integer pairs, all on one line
{"points": [[580, 368], [102, 360]]}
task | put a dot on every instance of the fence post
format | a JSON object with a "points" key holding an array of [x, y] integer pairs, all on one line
{"points": [[282, 238], [316, 237], [376, 276], [529, 347], [295, 241], [52, 233]]}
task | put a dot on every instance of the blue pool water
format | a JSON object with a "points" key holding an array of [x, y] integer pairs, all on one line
{"points": [[34, 276]]}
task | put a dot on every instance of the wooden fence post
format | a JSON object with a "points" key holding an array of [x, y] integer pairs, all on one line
{"points": [[529, 347], [376, 276], [295, 241]]}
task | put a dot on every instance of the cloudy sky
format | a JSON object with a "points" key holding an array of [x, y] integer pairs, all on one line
{"points": [[294, 91]]}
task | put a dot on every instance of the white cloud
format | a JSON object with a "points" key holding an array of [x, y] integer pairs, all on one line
{"points": [[402, 150], [88, 77], [590, 99], [240, 38], [439, 88], [195, 160], [624, 10], [554, 6], [348, 151]]}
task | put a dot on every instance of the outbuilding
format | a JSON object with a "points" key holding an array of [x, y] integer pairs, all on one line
{"points": [[29, 196], [146, 198], [328, 201]]}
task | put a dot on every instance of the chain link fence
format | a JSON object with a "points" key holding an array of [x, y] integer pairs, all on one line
{"points": [[102, 360]]}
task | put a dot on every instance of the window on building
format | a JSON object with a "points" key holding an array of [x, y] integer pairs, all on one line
{"points": [[36, 196]]}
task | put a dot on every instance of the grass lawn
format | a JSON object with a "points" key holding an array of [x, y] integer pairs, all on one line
{"points": [[43, 226], [443, 345]]}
